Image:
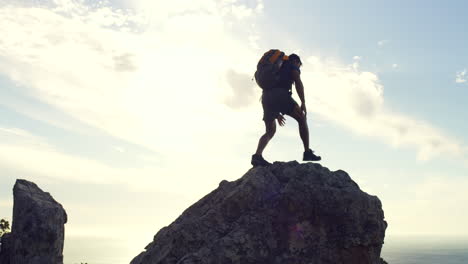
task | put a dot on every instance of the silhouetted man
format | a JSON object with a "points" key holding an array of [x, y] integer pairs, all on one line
{"points": [[277, 102]]}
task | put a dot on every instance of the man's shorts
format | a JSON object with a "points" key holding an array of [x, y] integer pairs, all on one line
{"points": [[277, 101]]}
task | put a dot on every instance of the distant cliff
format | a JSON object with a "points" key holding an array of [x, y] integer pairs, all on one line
{"points": [[37, 233], [286, 213]]}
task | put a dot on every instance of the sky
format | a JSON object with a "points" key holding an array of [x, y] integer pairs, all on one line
{"points": [[128, 112]]}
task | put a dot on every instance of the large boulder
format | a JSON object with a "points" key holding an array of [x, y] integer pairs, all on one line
{"points": [[281, 214], [37, 233]]}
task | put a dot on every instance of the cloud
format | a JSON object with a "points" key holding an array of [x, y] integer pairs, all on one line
{"points": [[21, 150], [243, 93], [12, 135], [461, 76], [382, 43], [353, 98], [119, 149], [172, 75], [159, 79], [158, 11], [124, 63], [136, 75], [29, 155], [395, 66]]}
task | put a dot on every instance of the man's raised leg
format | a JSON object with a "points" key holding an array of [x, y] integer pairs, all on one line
{"points": [[304, 133], [303, 127]]}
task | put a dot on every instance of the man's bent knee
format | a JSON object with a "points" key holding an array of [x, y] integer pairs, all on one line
{"points": [[299, 115]]}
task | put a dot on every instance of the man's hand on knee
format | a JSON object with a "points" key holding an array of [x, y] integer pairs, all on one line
{"points": [[304, 109], [281, 120]]}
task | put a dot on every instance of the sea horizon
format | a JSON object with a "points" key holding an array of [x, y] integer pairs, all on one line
{"points": [[396, 250]]}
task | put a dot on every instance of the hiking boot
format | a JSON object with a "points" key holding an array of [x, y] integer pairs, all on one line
{"points": [[258, 160], [310, 156]]}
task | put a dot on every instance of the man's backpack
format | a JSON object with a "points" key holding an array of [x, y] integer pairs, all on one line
{"points": [[267, 74]]}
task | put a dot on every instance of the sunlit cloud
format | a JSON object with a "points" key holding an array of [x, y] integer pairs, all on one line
{"points": [[137, 76], [355, 99], [175, 76], [461, 76], [243, 90]]}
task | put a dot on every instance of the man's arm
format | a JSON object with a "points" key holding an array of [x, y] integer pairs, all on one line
{"points": [[299, 89]]}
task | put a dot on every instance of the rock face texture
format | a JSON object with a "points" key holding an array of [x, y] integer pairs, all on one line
{"points": [[37, 233], [286, 213]]}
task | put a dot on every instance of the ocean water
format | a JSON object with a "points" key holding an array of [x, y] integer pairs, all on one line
{"points": [[396, 250], [93, 250], [425, 250]]}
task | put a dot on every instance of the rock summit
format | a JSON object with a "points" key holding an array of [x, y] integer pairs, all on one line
{"points": [[286, 213]]}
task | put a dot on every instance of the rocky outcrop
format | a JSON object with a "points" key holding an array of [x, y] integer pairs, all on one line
{"points": [[5, 248], [286, 213], [37, 233]]}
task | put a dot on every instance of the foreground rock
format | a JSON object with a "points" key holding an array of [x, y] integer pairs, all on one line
{"points": [[37, 232], [287, 213]]}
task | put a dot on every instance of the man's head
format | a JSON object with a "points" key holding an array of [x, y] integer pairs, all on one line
{"points": [[294, 59]]}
